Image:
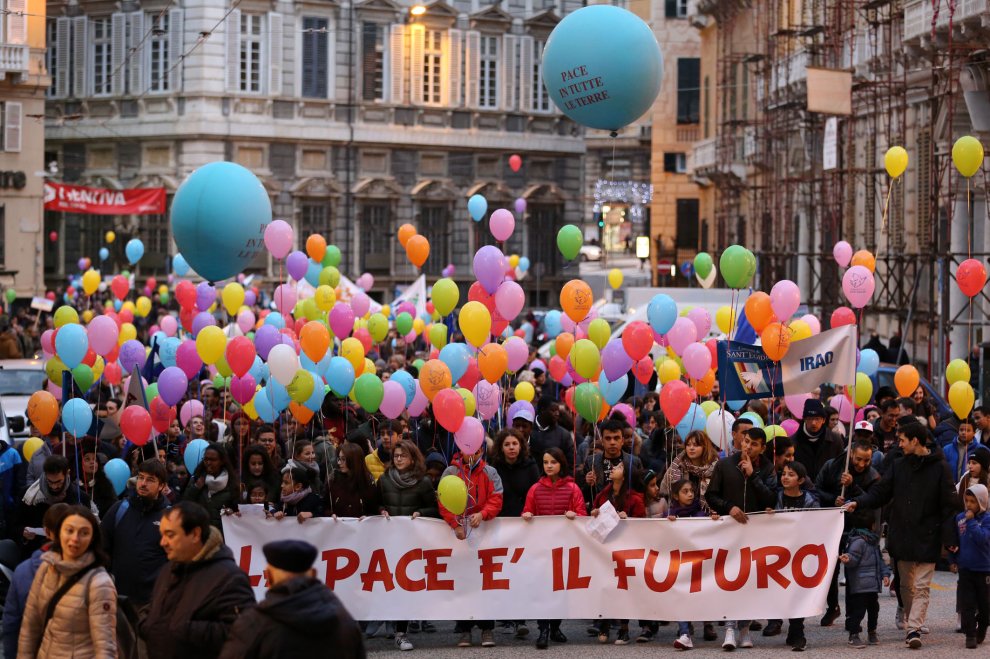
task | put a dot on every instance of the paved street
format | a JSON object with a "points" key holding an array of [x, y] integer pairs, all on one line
{"points": [[822, 642]]}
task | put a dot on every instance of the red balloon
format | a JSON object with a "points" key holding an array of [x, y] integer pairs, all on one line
{"points": [[126, 316], [50, 295], [135, 423], [240, 355], [971, 277], [712, 346], [637, 340], [448, 408], [843, 316], [186, 317], [162, 415], [557, 367], [112, 355], [90, 358], [364, 336], [471, 376], [112, 315], [675, 400], [430, 308], [515, 162], [119, 285], [185, 294], [521, 333], [53, 236], [569, 398], [111, 373], [643, 370]]}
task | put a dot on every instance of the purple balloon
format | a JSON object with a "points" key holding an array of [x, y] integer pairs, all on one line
{"points": [[132, 355], [172, 384], [297, 264], [266, 338], [615, 361], [489, 267], [187, 359], [201, 320], [205, 295], [520, 206], [250, 298]]}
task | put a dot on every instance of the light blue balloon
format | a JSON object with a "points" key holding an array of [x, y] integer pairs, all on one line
{"points": [[523, 263], [104, 253], [117, 304], [661, 313], [408, 383], [313, 271], [315, 401], [319, 367], [477, 207], [71, 344], [219, 215], [602, 83], [457, 358], [276, 320], [264, 406], [259, 370], [279, 395], [869, 362], [118, 473], [340, 376], [193, 454], [167, 350], [179, 265], [552, 324], [77, 416], [134, 250], [693, 420], [613, 392], [753, 417], [735, 405]]}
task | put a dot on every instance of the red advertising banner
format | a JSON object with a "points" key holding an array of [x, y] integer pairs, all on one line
{"points": [[100, 201]]}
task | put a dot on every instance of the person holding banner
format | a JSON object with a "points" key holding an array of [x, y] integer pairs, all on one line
{"points": [[815, 444]]}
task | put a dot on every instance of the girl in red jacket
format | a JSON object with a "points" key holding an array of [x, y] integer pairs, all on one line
{"points": [[554, 494]]}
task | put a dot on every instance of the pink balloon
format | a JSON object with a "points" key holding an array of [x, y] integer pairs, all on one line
{"points": [[697, 360], [858, 285], [702, 321], [54, 390], [365, 281], [795, 403], [470, 436], [502, 224], [682, 334], [285, 299], [517, 351], [189, 409], [790, 426], [278, 238], [393, 399], [102, 335], [487, 397], [785, 298], [48, 340], [627, 412], [419, 403], [813, 323], [342, 320], [843, 406], [509, 299], [188, 359], [243, 388], [245, 320], [842, 252], [169, 325], [360, 303]]}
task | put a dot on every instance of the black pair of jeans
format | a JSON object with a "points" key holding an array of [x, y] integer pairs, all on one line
{"points": [[974, 601], [859, 605], [545, 625], [468, 625], [795, 629]]}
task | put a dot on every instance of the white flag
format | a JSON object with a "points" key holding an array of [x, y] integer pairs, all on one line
{"points": [[828, 357]]}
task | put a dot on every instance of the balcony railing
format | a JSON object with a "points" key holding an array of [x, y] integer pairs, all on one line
{"points": [[13, 60], [918, 15], [703, 155], [789, 71]]}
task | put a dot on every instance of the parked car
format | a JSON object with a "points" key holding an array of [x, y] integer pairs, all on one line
{"points": [[884, 377], [19, 378], [591, 253]]}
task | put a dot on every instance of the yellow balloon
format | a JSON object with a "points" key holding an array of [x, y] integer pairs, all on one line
{"points": [[143, 307], [470, 405], [513, 260], [248, 408], [30, 446], [325, 298], [352, 350], [799, 330], [475, 322], [599, 332], [223, 368], [895, 161], [386, 310], [233, 297], [957, 371], [369, 367], [961, 399], [66, 315], [210, 344], [110, 236], [708, 407], [127, 333], [864, 389], [725, 319], [90, 281], [418, 326], [163, 290], [87, 316], [967, 155], [667, 370], [615, 278], [128, 305], [98, 367], [525, 391]]}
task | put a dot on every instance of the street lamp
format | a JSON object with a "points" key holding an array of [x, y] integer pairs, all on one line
{"points": [[417, 10]]}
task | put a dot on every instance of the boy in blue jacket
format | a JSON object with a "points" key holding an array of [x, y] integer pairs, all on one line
{"points": [[971, 559], [866, 576]]}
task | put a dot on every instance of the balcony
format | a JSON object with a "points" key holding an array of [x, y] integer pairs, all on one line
{"points": [[789, 72], [703, 156], [918, 17], [13, 61]]}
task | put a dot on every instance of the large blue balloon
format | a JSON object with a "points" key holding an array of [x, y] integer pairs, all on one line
{"points": [[457, 358], [134, 250], [179, 265], [315, 400], [71, 344], [104, 253], [264, 406], [597, 81], [693, 420], [613, 392], [219, 215], [193, 454], [869, 361], [117, 473], [408, 383], [661, 313], [477, 206], [77, 416], [167, 351], [340, 376], [552, 323]]}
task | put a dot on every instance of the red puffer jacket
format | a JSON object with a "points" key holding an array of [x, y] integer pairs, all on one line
{"points": [[484, 487], [549, 497], [633, 502]]}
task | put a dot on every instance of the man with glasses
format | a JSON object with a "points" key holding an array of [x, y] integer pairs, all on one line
{"points": [[53, 487], [885, 429]]}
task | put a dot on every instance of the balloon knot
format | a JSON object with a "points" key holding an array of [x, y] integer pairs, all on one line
{"points": [[614, 133]]}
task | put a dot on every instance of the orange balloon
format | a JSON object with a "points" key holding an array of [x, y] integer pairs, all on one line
{"points": [[406, 231], [316, 247], [315, 340], [418, 250], [42, 410], [302, 413], [705, 385], [493, 361], [759, 313], [906, 380], [576, 299], [606, 408], [563, 344], [434, 377], [776, 340], [864, 258]]}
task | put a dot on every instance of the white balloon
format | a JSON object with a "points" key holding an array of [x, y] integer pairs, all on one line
{"points": [[283, 363], [719, 429]]}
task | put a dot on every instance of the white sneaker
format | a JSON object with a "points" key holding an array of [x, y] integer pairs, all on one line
{"points": [[403, 643], [730, 640], [744, 639], [684, 642]]}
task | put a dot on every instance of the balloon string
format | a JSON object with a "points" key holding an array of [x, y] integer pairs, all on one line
{"points": [[886, 205], [969, 230]]}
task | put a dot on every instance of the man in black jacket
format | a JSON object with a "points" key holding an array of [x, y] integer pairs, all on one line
{"points": [[923, 505], [198, 594], [299, 617], [547, 434], [814, 443]]}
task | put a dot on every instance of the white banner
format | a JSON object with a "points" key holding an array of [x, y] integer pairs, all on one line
{"points": [[776, 566], [826, 357]]}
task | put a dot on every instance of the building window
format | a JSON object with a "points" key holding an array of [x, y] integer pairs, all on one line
{"points": [[314, 217], [158, 45], [488, 73], [376, 236], [543, 253], [687, 224], [250, 55], [675, 163], [11, 121], [102, 54], [688, 89], [315, 57], [434, 223], [51, 55], [3, 236], [432, 52], [707, 105], [373, 62], [676, 9], [541, 99]]}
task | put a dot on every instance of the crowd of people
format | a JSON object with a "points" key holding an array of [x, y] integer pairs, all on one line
{"points": [[104, 575]]}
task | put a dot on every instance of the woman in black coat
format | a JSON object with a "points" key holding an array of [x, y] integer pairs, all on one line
{"points": [[518, 471], [297, 498], [214, 484], [352, 492]]}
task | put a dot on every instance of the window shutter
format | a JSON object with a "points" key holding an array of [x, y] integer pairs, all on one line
{"points": [[12, 127], [80, 52], [456, 48], [418, 35], [275, 35], [526, 74], [62, 37], [671, 9], [445, 82], [118, 46], [396, 48], [16, 21], [233, 32], [471, 54], [175, 49], [140, 58], [509, 81]]}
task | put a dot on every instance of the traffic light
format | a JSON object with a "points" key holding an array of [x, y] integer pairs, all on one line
{"points": [[601, 223]]}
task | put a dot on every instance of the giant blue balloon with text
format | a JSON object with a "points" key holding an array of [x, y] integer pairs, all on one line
{"points": [[219, 215], [602, 67]]}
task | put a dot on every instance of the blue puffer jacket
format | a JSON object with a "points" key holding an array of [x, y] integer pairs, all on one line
{"points": [[865, 570], [13, 608], [974, 535]]}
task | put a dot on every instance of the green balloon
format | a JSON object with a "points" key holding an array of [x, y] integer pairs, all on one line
{"points": [[163, 298], [703, 264], [330, 276], [588, 401], [332, 256], [585, 358], [11, 295], [403, 323], [419, 364], [83, 375], [301, 387], [309, 309], [738, 265], [438, 336], [378, 327], [152, 391], [369, 392], [569, 241]]}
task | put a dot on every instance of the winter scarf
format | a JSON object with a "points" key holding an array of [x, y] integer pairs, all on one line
{"points": [[694, 510], [215, 484], [296, 497], [403, 480]]}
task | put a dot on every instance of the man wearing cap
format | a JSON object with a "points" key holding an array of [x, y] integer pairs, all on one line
{"points": [[522, 420], [814, 443], [548, 434], [299, 617]]}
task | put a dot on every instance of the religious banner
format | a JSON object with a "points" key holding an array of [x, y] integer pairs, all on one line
{"points": [[100, 201], [775, 566]]}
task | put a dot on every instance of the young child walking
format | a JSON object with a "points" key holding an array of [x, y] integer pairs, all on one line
{"points": [[685, 502], [971, 559], [866, 577]]}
